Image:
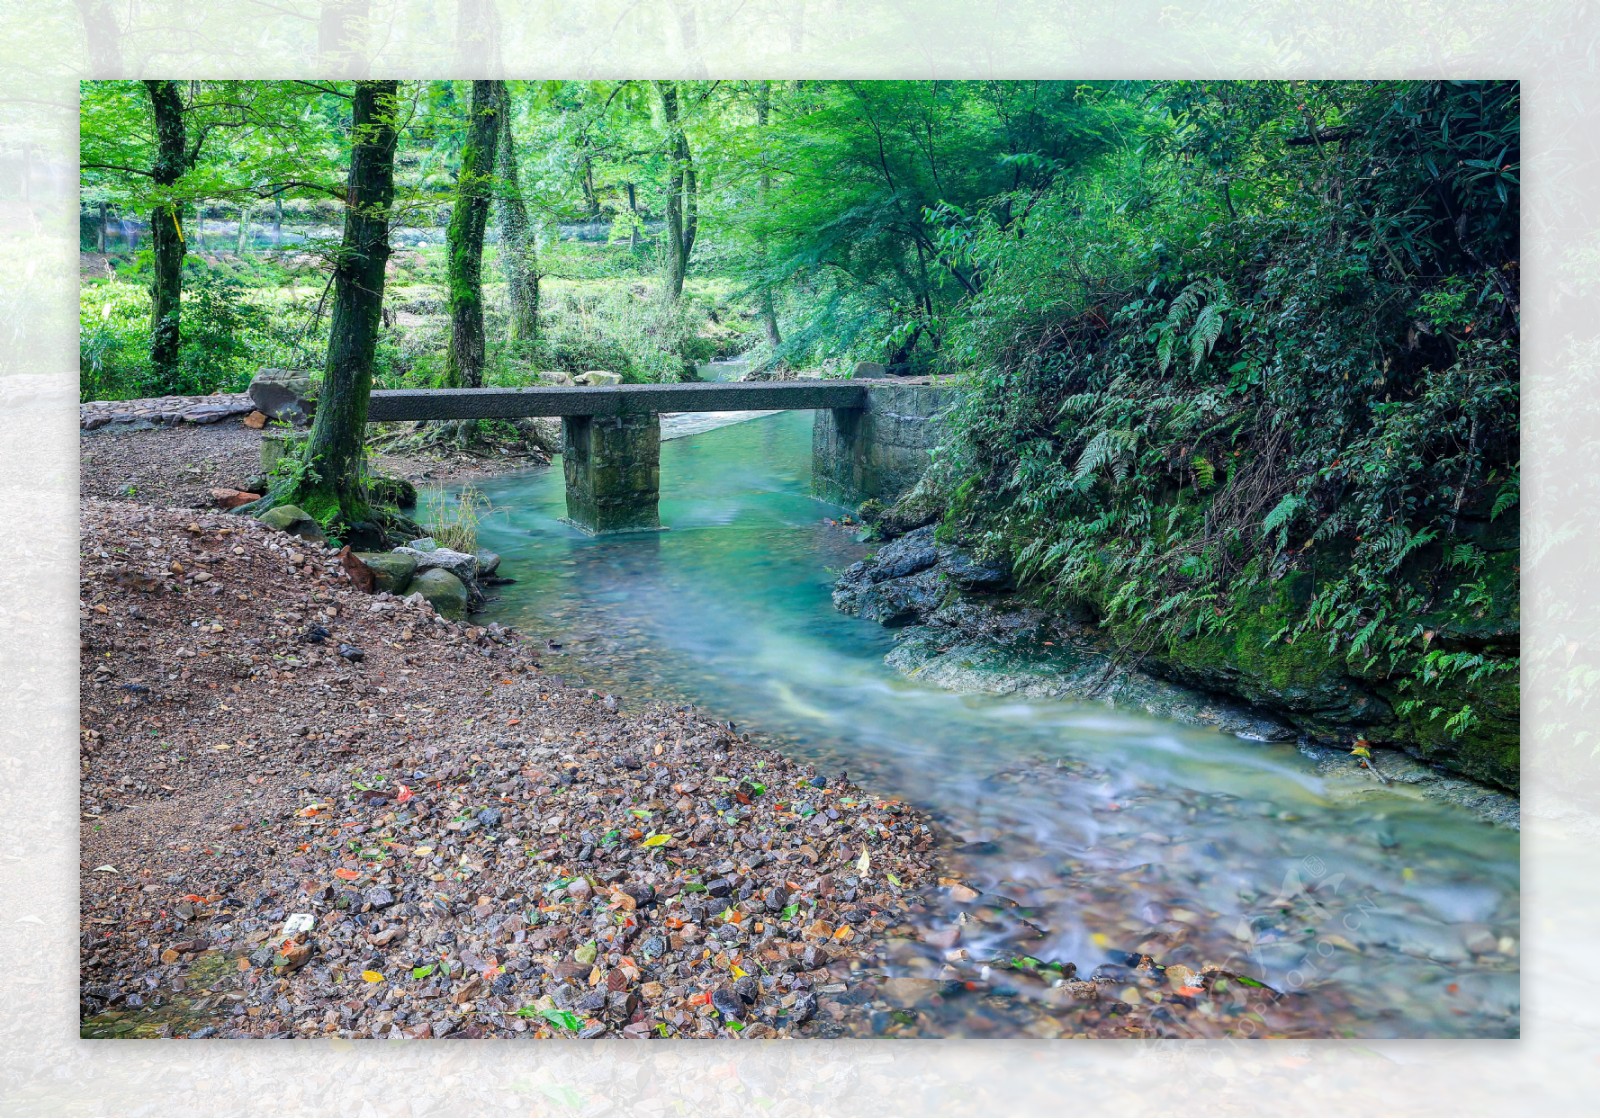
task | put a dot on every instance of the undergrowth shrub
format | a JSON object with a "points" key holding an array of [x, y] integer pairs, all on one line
{"points": [[1242, 349]]}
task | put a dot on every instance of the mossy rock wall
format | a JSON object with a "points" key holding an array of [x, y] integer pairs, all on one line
{"points": [[1331, 697]]}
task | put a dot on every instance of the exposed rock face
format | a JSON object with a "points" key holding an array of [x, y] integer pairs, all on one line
{"points": [[908, 579], [595, 377], [957, 632]]}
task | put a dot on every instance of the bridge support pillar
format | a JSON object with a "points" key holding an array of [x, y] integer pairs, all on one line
{"points": [[878, 450], [613, 471]]}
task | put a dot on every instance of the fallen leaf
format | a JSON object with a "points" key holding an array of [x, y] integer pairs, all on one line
{"points": [[372, 976], [346, 873], [563, 1018]]}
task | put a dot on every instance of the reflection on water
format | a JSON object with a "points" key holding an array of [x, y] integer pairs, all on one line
{"points": [[1109, 831]]}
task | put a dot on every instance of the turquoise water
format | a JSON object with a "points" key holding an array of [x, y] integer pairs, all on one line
{"points": [[1100, 831]]}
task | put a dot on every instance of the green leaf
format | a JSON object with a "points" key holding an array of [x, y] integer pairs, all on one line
{"points": [[422, 972], [565, 1019]]}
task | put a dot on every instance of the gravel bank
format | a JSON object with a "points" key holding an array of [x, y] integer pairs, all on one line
{"points": [[481, 849]]}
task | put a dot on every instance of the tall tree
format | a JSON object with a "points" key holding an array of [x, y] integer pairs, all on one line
{"points": [[518, 248], [173, 158], [330, 485], [468, 218], [683, 191], [769, 317]]}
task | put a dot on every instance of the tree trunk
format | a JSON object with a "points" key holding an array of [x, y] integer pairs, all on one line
{"points": [[243, 244], [474, 194], [682, 193], [277, 221], [331, 488], [518, 250], [633, 209], [166, 232], [102, 237], [197, 227], [591, 200], [769, 317]]}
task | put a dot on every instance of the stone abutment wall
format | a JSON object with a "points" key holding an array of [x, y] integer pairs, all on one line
{"points": [[881, 449]]}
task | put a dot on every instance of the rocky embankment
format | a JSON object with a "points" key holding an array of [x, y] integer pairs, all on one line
{"points": [[961, 626]]}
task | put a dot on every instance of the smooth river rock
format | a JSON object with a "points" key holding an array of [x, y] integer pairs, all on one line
{"points": [[444, 591], [392, 571]]}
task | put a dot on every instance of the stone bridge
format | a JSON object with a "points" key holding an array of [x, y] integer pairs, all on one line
{"points": [[870, 439]]}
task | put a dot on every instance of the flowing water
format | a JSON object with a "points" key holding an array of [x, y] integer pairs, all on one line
{"points": [[1093, 832]]}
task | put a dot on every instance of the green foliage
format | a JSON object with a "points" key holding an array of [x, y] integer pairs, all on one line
{"points": [[228, 334], [1276, 330], [454, 523]]}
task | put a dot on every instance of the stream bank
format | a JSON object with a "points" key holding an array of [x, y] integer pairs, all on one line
{"points": [[960, 623]]}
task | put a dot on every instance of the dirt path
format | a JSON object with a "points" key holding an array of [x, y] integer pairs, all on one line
{"points": [[179, 466]]}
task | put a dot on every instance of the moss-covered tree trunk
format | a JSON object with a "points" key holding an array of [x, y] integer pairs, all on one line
{"points": [[518, 250], [683, 204], [468, 219], [166, 230], [329, 484]]}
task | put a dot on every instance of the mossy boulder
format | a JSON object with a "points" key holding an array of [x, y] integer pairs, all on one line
{"points": [[392, 571], [392, 491], [295, 521], [448, 594]]}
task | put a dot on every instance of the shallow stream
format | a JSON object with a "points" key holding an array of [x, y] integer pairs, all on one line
{"points": [[1090, 832]]}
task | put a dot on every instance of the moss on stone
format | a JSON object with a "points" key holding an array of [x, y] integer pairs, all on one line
{"points": [[1329, 697]]}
